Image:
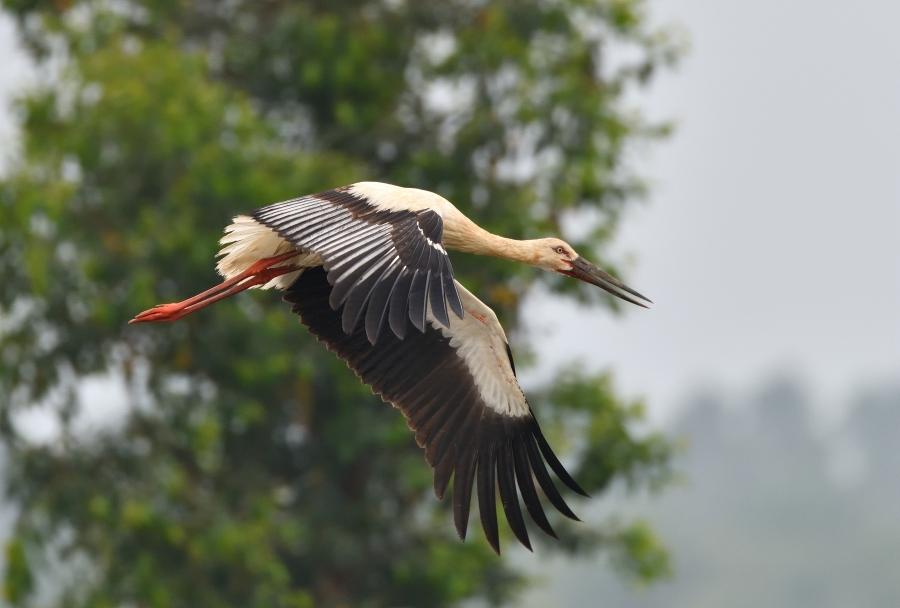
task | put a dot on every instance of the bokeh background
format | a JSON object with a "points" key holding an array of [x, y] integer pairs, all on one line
{"points": [[765, 227]]}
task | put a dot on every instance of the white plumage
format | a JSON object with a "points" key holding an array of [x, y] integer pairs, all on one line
{"points": [[481, 342], [366, 268], [247, 241]]}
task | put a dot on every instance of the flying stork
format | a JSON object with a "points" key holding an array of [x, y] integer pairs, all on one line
{"points": [[366, 268]]}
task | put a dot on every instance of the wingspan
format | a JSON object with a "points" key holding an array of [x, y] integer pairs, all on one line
{"points": [[385, 265], [456, 387]]}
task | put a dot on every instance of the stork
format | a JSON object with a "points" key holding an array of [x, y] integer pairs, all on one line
{"points": [[366, 268]]}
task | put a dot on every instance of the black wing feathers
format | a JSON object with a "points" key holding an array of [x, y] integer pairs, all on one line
{"points": [[424, 377], [463, 479], [508, 497], [438, 301], [487, 494], [386, 266], [546, 483], [526, 485], [450, 292], [556, 465], [376, 311], [399, 303]]}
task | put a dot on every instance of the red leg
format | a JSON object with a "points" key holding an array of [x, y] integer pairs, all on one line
{"points": [[260, 273]]}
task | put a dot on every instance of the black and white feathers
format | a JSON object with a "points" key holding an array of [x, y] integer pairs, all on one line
{"points": [[389, 264], [456, 387], [372, 256]]}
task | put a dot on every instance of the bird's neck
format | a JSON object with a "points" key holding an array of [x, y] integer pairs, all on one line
{"points": [[510, 249], [472, 238]]}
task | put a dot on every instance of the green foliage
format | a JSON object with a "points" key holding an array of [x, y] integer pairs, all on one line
{"points": [[252, 468], [19, 581]]}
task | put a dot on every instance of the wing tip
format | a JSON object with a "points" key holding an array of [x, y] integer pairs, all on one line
{"points": [[510, 459], [550, 457]]}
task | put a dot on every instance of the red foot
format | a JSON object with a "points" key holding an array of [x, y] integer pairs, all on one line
{"points": [[162, 312], [260, 273]]}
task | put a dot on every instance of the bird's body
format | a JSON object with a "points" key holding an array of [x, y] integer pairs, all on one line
{"points": [[367, 270]]}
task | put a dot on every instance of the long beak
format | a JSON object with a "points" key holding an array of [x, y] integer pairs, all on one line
{"points": [[589, 273]]}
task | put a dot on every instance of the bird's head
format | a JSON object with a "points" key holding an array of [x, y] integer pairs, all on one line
{"points": [[557, 255]]}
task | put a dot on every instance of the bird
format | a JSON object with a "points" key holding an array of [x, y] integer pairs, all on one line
{"points": [[366, 268]]}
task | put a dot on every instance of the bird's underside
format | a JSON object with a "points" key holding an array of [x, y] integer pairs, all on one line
{"points": [[366, 269], [452, 411]]}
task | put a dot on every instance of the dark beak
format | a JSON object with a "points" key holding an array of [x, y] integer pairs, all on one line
{"points": [[587, 272]]}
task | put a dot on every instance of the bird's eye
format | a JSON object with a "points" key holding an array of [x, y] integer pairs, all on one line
{"points": [[560, 250]]}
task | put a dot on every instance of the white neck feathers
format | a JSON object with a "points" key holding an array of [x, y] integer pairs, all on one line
{"points": [[462, 234]]}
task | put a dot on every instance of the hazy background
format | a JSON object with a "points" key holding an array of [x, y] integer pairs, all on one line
{"points": [[770, 240], [770, 244]]}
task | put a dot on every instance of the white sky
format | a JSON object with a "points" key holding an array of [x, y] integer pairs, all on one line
{"points": [[14, 72], [771, 240]]}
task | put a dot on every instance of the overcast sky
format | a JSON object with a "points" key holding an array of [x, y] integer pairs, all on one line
{"points": [[771, 240]]}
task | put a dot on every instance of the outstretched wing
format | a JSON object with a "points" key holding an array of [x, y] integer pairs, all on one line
{"points": [[386, 263], [457, 389]]}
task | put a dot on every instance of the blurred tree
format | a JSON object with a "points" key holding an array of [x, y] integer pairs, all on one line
{"points": [[251, 467]]}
